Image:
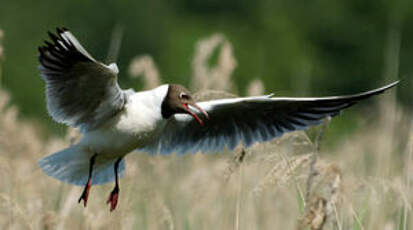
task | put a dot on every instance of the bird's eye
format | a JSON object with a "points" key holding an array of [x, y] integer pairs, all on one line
{"points": [[184, 96]]}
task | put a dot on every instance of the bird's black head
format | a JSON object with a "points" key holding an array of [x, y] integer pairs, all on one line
{"points": [[179, 100]]}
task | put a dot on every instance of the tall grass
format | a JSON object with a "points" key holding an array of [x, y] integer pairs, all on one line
{"points": [[1, 55], [280, 184]]}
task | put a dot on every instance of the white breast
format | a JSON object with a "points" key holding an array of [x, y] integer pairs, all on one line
{"points": [[134, 127]]}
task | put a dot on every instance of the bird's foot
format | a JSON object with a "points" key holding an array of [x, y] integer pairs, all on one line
{"points": [[85, 193], [113, 198]]}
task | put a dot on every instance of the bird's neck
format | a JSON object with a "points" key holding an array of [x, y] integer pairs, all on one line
{"points": [[166, 109], [161, 93]]}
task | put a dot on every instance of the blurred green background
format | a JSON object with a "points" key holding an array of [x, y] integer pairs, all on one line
{"points": [[297, 48]]}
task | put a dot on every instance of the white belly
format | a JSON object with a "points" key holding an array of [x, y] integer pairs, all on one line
{"points": [[137, 125]]}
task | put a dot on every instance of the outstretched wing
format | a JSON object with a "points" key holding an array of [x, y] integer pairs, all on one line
{"points": [[80, 91], [250, 120]]}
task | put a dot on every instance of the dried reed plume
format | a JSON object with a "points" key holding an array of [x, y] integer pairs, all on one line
{"points": [[323, 199], [238, 156], [1, 55], [145, 66], [216, 77], [256, 88], [314, 158], [282, 173], [1, 44]]}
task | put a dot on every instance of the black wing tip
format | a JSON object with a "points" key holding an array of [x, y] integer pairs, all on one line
{"points": [[61, 30], [391, 85], [382, 89], [56, 36], [42, 50], [367, 94], [59, 51]]}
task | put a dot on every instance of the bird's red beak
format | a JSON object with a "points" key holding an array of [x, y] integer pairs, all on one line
{"points": [[193, 114]]}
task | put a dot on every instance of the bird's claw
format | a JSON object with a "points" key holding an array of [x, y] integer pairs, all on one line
{"points": [[113, 198], [85, 194]]}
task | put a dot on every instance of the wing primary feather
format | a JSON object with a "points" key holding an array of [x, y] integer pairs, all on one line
{"points": [[247, 134], [271, 130], [49, 58], [285, 124], [241, 133], [221, 143], [198, 140], [204, 145], [263, 131], [213, 146], [295, 121], [308, 116], [235, 137], [212, 142], [55, 40], [306, 122], [256, 133], [279, 130], [195, 148], [49, 65], [225, 136]]}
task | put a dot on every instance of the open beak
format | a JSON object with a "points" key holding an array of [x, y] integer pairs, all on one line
{"points": [[188, 108]]}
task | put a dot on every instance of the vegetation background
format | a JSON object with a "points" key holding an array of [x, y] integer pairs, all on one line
{"points": [[355, 172]]}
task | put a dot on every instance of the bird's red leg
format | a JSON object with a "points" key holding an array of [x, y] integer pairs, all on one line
{"points": [[85, 193], [113, 196]]}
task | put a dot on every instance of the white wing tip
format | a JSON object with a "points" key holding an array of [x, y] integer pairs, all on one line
{"points": [[114, 68]]}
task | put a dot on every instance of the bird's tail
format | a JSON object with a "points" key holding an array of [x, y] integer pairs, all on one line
{"points": [[71, 165]]}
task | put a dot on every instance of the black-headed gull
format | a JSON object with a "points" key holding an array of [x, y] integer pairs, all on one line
{"points": [[82, 92]]}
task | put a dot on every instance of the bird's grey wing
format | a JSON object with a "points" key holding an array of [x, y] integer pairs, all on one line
{"points": [[250, 120], [80, 91]]}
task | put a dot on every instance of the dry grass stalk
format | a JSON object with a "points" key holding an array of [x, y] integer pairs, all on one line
{"points": [[388, 102], [20, 147], [205, 95], [282, 173], [323, 199], [234, 162], [256, 88], [239, 158], [333, 180], [294, 144], [314, 156], [408, 177], [163, 215], [1, 44], [1, 55], [115, 44], [332, 189], [322, 196], [68, 204], [11, 128], [49, 220], [145, 66], [217, 77], [390, 226], [17, 216], [367, 187], [316, 213]]}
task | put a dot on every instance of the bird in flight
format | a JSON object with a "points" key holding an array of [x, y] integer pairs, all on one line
{"points": [[83, 92]]}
